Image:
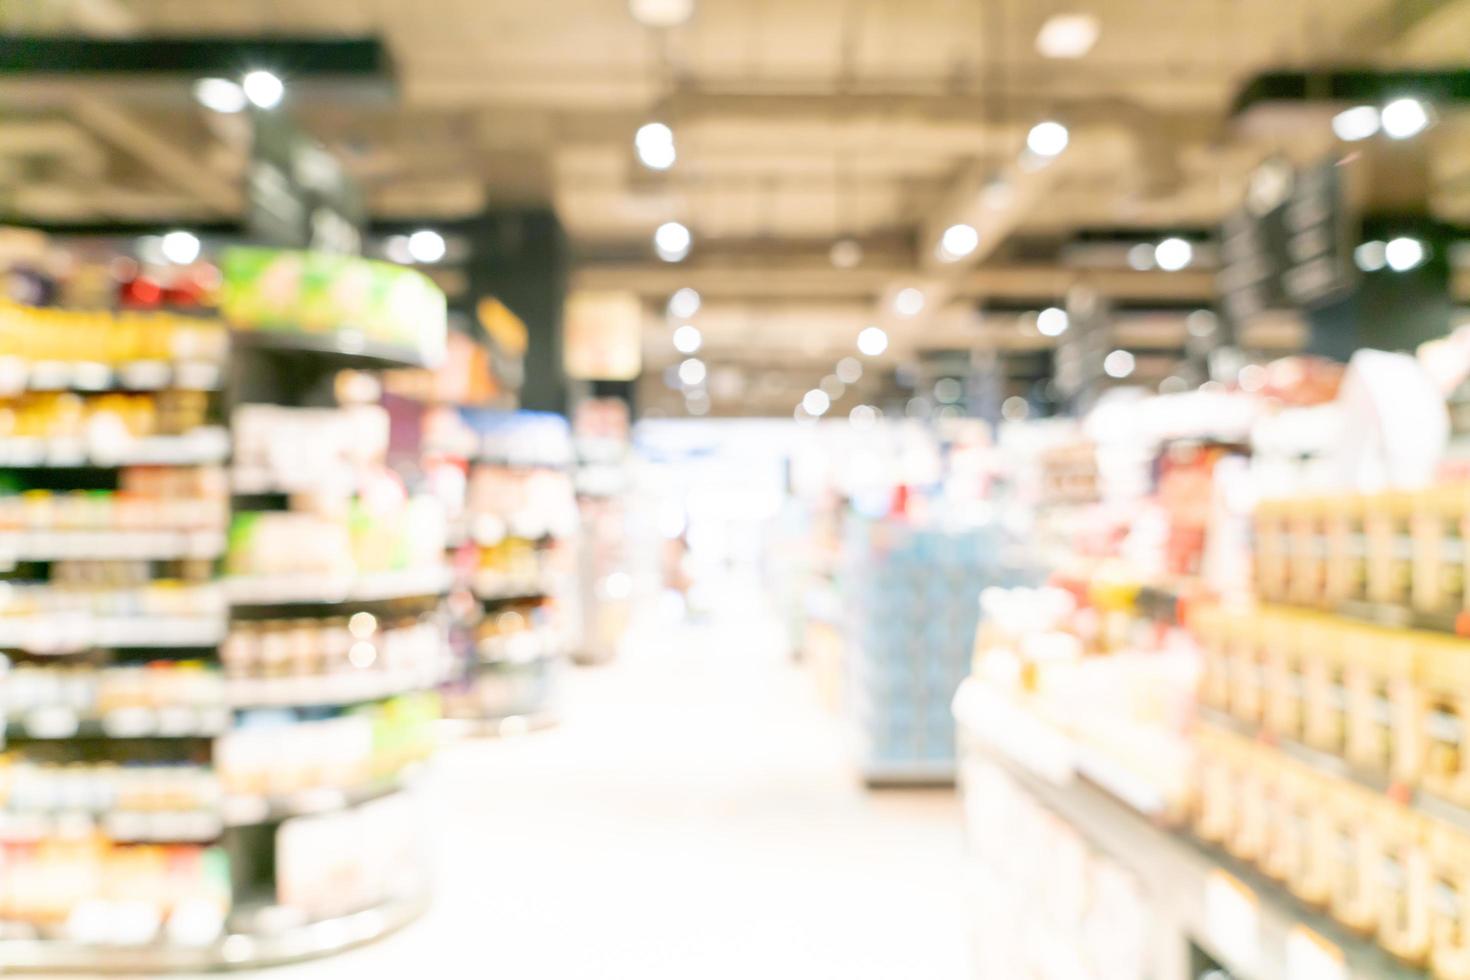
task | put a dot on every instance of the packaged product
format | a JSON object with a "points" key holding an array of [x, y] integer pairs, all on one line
{"points": [[1346, 577], [1307, 547], [1405, 882], [1444, 670], [1382, 697], [1214, 815], [1285, 711], [1247, 669], [1211, 626], [1319, 855], [1352, 853], [1449, 903], [1271, 552], [1438, 524], [1324, 664], [1294, 795], [1255, 792], [1387, 521]]}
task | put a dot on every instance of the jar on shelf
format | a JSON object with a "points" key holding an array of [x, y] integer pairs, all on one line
{"points": [[1254, 793], [1449, 901], [1271, 554], [1438, 524], [1324, 664], [1405, 883], [1312, 878], [1247, 670], [1444, 670], [1294, 795], [1345, 576], [1215, 810], [1211, 627], [1285, 709], [1352, 854], [1386, 522], [1306, 530], [1382, 699]]}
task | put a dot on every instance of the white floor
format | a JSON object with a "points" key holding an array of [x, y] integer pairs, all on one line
{"points": [[695, 816]]}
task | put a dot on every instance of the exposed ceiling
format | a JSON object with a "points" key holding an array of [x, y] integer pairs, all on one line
{"points": [[798, 122]]}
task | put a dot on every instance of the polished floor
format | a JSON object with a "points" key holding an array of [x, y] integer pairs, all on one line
{"points": [[696, 815]]}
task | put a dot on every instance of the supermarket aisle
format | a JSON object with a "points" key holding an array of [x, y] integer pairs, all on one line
{"points": [[694, 817]]}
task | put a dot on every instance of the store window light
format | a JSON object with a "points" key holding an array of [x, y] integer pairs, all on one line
{"points": [[180, 247], [220, 95], [1357, 123], [849, 370], [1370, 257], [684, 303], [1119, 364], [691, 372], [1067, 35], [1052, 321], [1173, 254], [263, 89], [671, 241], [872, 341], [1404, 118], [426, 245], [908, 302], [1047, 139], [1404, 253], [816, 402], [654, 143], [957, 242], [687, 339]]}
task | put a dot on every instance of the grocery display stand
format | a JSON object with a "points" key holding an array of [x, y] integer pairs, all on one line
{"points": [[328, 670]]}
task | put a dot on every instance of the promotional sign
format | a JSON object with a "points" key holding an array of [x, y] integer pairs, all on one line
{"points": [[603, 336]]}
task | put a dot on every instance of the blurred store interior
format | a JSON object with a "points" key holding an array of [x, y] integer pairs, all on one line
{"points": [[855, 489]]}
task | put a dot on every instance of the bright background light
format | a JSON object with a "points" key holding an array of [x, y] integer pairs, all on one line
{"points": [[1052, 321], [872, 341], [180, 247], [661, 13], [1014, 408], [1403, 118], [1173, 254], [672, 241], [846, 253], [426, 245], [263, 89], [1403, 253], [833, 387], [1118, 364], [1047, 139], [1370, 257], [908, 302], [1141, 257], [816, 402], [219, 95], [654, 143], [684, 303], [1357, 123], [958, 241], [862, 415], [687, 339], [849, 370], [1067, 35], [692, 371]]}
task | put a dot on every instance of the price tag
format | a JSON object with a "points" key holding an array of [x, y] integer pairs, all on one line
{"points": [[1233, 921], [1310, 957]]}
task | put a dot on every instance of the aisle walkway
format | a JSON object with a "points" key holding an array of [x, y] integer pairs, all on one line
{"points": [[694, 818]]}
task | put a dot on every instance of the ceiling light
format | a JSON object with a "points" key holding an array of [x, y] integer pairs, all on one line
{"points": [[816, 402], [395, 249], [696, 403], [849, 370], [671, 241], [180, 247], [1173, 254], [263, 89], [832, 387], [846, 253], [1401, 254], [862, 416], [1047, 139], [1141, 257], [661, 13], [1370, 256], [1357, 123], [947, 391], [872, 341], [655, 145], [691, 372], [957, 242], [908, 302], [687, 339], [1403, 118], [426, 245], [1201, 323], [219, 95], [1052, 321], [1067, 35], [1118, 364], [684, 303]]}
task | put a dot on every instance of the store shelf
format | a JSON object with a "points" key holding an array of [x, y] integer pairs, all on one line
{"points": [[308, 589], [340, 348], [1400, 617], [1241, 918], [120, 827], [521, 648], [57, 723], [79, 632], [330, 690], [235, 951], [198, 448], [241, 811], [18, 546], [908, 773], [17, 376]]}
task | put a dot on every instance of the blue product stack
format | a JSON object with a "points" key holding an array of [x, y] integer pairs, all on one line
{"points": [[912, 608]]}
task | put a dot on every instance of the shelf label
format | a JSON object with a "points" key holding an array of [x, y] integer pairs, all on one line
{"points": [[1233, 920], [1310, 957]]}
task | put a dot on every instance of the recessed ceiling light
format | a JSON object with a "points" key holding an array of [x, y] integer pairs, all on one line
{"points": [[1173, 254], [1118, 364], [957, 242], [1047, 139], [1052, 321], [908, 302], [1401, 254], [1403, 118], [849, 370], [426, 245], [816, 402], [671, 241], [1067, 35], [846, 253], [1357, 123], [180, 247], [1370, 256], [691, 372], [654, 143], [684, 303], [872, 341], [661, 13], [219, 95], [862, 416], [687, 339], [1141, 257], [263, 89]]}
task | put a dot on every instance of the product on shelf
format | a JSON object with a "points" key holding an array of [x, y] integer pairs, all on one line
{"points": [[169, 697], [341, 541], [41, 339], [306, 449], [147, 499], [341, 862]]}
